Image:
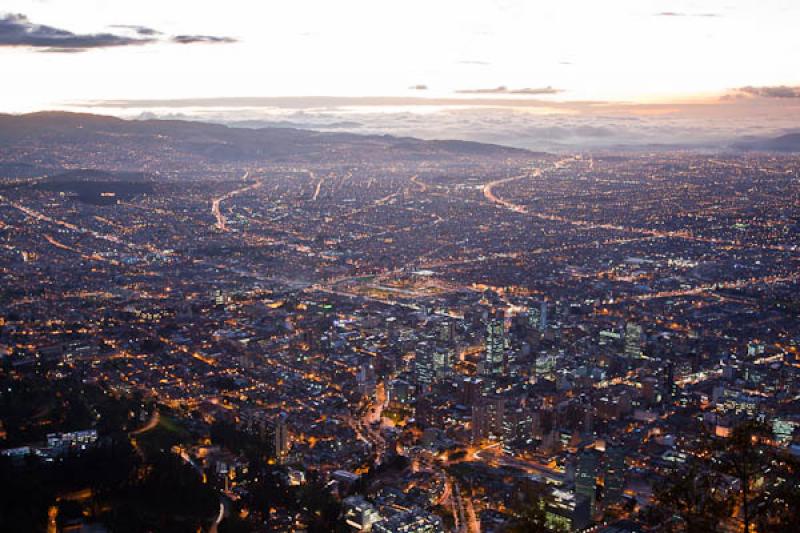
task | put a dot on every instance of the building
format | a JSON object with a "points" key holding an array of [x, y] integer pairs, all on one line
{"points": [[80, 440], [359, 514], [633, 340], [471, 390], [366, 380], [401, 395], [442, 362], [614, 475], [495, 345], [487, 418], [517, 429], [281, 441], [411, 521], [447, 331], [543, 316], [670, 385], [568, 511], [534, 316], [424, 365], [586, 472]]}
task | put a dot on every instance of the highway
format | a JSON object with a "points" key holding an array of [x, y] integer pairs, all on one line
{"points": [[489, 194], [221, 223], [155, 418], [81, 230], [319, 186]]}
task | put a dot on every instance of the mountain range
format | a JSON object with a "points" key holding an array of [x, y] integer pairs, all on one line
{"points": [[789, 142], [58, 139]]}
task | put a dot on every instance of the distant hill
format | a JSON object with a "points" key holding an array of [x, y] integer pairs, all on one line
{"points": [[57, 139], [789, 142]]}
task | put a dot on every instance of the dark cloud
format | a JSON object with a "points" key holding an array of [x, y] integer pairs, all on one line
{"points": [[17, 30], [202, 39], [776, 91], [420, 87], [502, 89]]}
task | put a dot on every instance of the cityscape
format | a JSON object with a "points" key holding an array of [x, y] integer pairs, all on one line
{"points": [[209, 326]]}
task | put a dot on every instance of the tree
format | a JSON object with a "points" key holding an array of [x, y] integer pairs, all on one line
{"points": [[778, 507], [767, 493], [743, 456], [169, 496], [531, 512], [693, 497]]}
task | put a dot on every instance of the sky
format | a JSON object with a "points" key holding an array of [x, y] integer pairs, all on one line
{"points": [[536, 62]]}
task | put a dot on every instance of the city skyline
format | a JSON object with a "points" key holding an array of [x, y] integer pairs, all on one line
{"points": [[375, 267]]}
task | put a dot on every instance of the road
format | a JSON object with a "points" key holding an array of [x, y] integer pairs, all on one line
{"points": [[466, 518], [493, 455], [218, 519], [155, 418], [41, 217], [735, 284], [489, 194], [221, 223], [319, 186], [364, 426]]}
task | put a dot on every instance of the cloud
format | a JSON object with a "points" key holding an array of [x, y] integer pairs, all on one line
{"points": [[681, 14], [333, 102], [202, 39], [141, 30], [16, 30], [776, 91], [53, 50], [473, 62], [420, 87], [502, 89], [565, 126]]}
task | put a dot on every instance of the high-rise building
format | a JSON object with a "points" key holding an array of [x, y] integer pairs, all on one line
{"points": [[534, 316], [487, 418], [633, 340], [442, 362], [220, 297], [366, 379], [670, 386], [614, 475], [280, 438], [447, 331], [543, 316], [423, 365], [567, 511], [471, 391], [586, 476], [517, 429], [494, 354]]}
